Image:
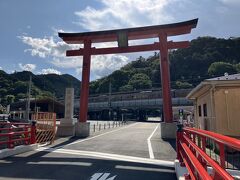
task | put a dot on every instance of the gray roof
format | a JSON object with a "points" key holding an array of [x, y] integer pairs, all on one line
{"points": [[222, 80], [226, 77]]}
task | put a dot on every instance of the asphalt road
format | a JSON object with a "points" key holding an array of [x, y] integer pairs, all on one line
{"points": [[121, 153]]}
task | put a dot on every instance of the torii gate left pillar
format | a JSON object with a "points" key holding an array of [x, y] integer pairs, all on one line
{"points": [[83, 127], [85, 81]]}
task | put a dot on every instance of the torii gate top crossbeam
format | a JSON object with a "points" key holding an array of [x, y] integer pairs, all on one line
{"points": [[131, 33]]}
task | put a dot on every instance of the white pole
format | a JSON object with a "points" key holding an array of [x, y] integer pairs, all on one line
{"points": [[28, 98]]}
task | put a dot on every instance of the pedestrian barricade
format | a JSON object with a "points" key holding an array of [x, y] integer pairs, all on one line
{"points": [[45, 127]]}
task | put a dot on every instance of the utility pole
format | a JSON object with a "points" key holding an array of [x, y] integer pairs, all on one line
{"points": [[53, 99], [28, 99]]}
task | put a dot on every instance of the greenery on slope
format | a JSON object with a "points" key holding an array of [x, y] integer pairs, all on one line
{"points": [[14, 86], [206, 57]]}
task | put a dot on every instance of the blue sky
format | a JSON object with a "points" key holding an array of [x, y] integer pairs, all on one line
{"points": [[29, 29]]}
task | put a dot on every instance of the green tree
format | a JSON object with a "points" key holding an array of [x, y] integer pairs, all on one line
{"points": [[21, 96], [3, 92], [183, 85], [238, 67], [20, 87], [126, 88], [219, 68], [10, 99], [119, 78], [140, 81]]}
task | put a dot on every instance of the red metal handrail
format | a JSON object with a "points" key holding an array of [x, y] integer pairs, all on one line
{"points": [[196, 159], [231, 142], [17, 132], [210, 161], [202, 173]]}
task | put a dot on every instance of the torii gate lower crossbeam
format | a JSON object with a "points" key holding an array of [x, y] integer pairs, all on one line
{"points": [[122, 36]]}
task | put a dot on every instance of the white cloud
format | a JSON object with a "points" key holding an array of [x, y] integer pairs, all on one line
{"points": [[104, 65], [124, 13], [1, 68], [75, 62], [49, 48], [101, 65], [50, 71], [27, 67], [56, 50], [46, 47]]}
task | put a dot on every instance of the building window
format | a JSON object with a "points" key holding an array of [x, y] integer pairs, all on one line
{"points": [[199, 111], [205, 110]]}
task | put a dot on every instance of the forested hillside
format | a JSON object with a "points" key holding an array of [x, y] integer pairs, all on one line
{"points": [[14, 86], [206, 57]]}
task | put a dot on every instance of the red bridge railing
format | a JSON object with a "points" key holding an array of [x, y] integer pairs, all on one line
{"points": [[201, 150], [15, 134]]}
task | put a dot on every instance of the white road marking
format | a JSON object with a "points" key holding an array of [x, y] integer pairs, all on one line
{"points": [[96, 176], [5, 162], [61, 163], [151, 155], [110, 156], [137, 168], [102, 134], [102, 176], [105, 177]]}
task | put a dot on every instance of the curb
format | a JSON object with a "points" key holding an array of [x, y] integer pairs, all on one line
{"points": [[180, 171], [17, 150]]}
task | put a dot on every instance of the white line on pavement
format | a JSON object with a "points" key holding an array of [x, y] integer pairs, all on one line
{"points": [[151, 155], [137, 168], [61, 163], [110, 156]]}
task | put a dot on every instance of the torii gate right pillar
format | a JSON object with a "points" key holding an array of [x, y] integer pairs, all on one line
{"points": [[165, 78], [168, 128]]}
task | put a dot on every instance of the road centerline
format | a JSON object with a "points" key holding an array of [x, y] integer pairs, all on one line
{"points": [[150, 150]]}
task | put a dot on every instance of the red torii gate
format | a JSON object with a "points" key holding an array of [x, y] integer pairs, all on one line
{"points": [[122, 36]]}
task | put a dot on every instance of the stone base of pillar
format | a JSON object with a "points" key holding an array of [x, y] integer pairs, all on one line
{"points": [[68, 121], [64, 130], [168, 130], [66, 127], [82, 129]]}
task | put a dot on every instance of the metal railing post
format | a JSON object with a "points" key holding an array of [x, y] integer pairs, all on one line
{"points": [[203, 139], [222, 155], [33, 132], [178, 141], [26, 135], [10, 143]]}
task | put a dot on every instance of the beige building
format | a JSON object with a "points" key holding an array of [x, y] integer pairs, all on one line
{"points": [[217, 105]]}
